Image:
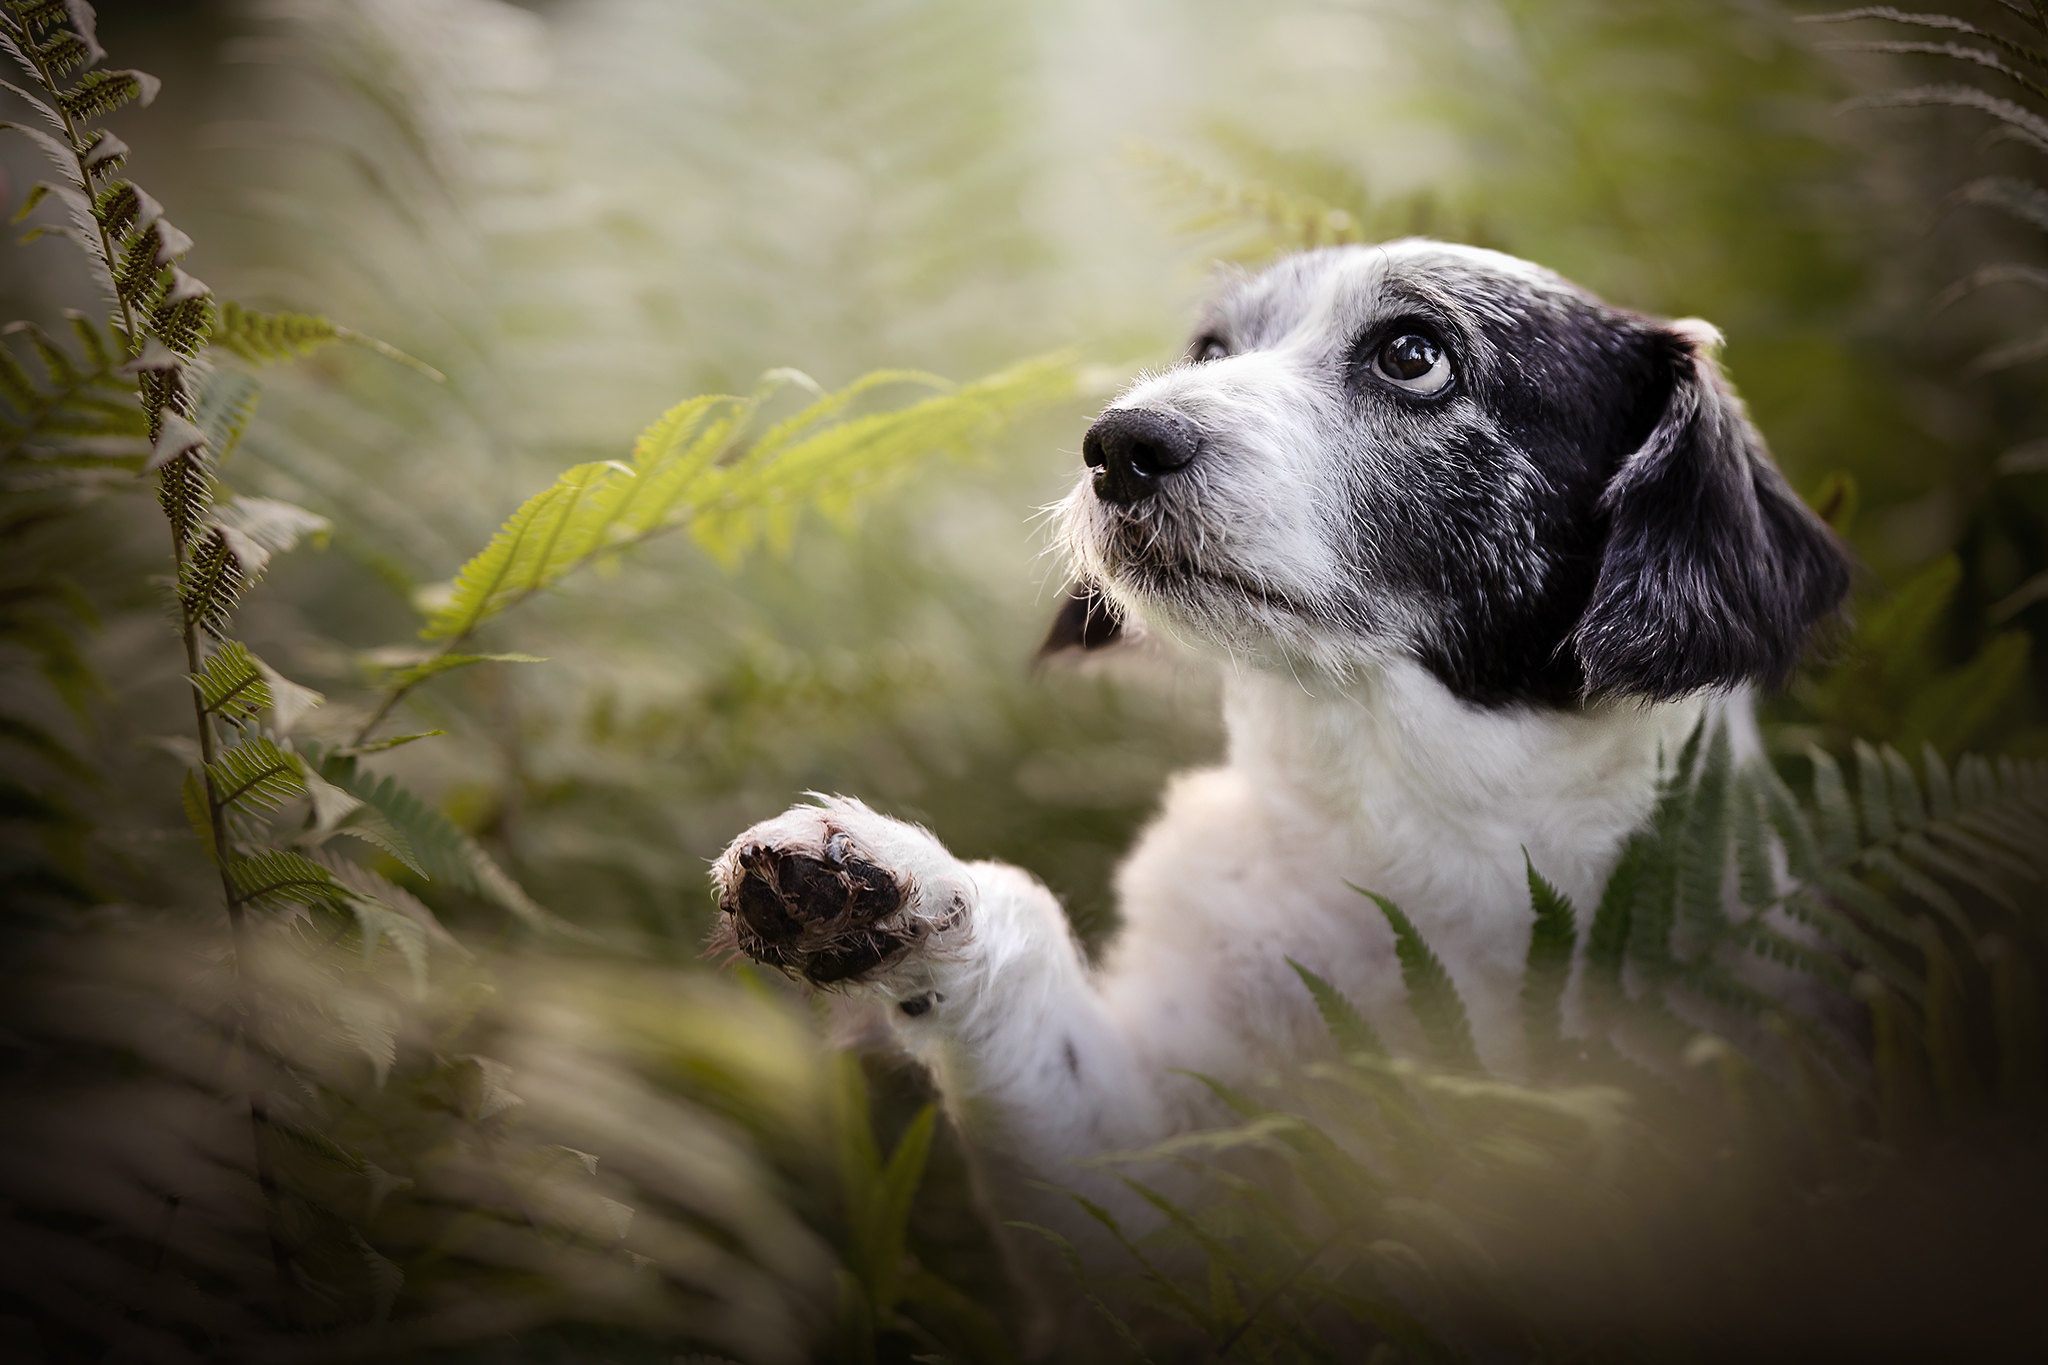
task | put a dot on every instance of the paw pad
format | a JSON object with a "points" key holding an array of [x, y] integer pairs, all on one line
{"points": [[814, 913]]}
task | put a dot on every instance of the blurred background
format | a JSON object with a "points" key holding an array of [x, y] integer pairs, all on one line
{"points": [[581, 212]]}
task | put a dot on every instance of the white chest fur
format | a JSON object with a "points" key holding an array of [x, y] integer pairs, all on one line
{"points": [[1389, 784]]}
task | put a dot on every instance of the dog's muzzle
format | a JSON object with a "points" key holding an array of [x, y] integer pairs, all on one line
{"points": [[1134, 450]]}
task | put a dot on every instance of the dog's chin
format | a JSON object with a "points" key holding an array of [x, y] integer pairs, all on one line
{"points": [[1218, 606], [1151, 565]]}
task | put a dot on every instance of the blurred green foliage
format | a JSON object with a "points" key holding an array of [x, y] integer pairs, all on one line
{"points": [[513, 1116]]}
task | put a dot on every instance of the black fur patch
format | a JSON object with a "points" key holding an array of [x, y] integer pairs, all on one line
{"points": [[1087, 621], [1714, 571]]}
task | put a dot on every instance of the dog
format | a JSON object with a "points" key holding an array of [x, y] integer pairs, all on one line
{"points": [[1475, 549]]}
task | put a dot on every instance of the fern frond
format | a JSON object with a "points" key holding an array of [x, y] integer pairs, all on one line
{"points": [[1827, 918], [1957, 51], [678, 477], [280, 877], [1704, 833], [2016, 198], [212, 584], [1874, 794], [231, 686], [255, 775], [1947, 22], [441, 850], [755, 497], [268, 338], [1348, 1028], [1837, 815], [1431, 993], [99, 93], [79, 411], [1750, 834], [1607, 938], [1552, 940], [2022, 123]]}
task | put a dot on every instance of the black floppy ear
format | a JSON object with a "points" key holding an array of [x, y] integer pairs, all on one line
{"points": [[1087, 621], [1714, 572]]}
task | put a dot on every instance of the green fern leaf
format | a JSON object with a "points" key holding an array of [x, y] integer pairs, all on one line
{"points": [[276, 876], [1922, 888], [1756, 879], [1347, 1027], [1874, 909], [1941, 798], [1873, 796], [1837, 812], [1992, 857], [255, 775], [268, 338], [1608, 937], [231, 686], [1905, 789], [212, 584], [679, 476], [755, 498], [1430, 992], [1856, 943], [1760, 938], [99, 93], [444, 852], [1549, 967], [1923, 854], [1703, 839]]}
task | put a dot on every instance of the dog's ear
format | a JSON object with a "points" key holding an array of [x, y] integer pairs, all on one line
{"points": [[1087, 621], [1714, 572]]}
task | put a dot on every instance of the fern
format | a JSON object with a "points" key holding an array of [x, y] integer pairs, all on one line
{"points": [[281, 877], [1552, 940], [268, 338], [2024, 67], [1348, 1028], [232, 686], [77, 419], [437, 848], [688, 469], [1431, 993], [255, 775]]}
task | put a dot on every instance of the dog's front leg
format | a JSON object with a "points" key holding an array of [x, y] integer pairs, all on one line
{"points": [[980, 974]]}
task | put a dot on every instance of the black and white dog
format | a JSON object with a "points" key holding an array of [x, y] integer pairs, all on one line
{"points": [[1480, 548]]}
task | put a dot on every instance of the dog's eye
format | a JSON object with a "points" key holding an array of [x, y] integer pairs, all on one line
{"points": [[1413, 362], [1209, 348]]}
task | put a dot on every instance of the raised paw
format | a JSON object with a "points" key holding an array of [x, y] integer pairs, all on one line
{"points": [[807, 894]]}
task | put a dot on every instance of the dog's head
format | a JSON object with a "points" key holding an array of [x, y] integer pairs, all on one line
{"points": [[1448, 454]]}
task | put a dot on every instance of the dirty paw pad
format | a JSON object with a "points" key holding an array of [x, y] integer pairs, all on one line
{"points": [[813, 913]]}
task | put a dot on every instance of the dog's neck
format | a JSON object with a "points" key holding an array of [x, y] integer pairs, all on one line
{"points": [[1395, 750]]}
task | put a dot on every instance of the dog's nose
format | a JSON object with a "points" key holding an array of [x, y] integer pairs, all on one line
{"points": [[1132, 450]]}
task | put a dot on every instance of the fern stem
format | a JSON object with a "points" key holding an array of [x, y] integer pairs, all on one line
{"points": [[259, 1111]]}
